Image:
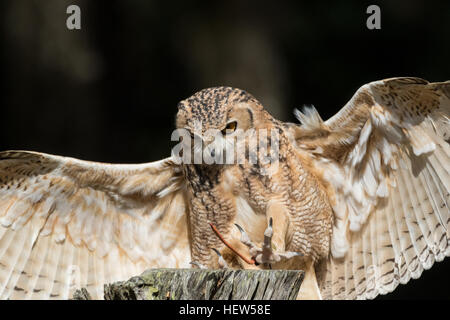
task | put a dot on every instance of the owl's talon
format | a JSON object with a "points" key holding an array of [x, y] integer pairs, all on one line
{"points": [[249, 261], [265, 255], [222, 263], [198, 265], [245, 239], [268, 233]]}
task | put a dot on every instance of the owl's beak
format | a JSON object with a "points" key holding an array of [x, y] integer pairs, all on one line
{"points": [[206, 139]]}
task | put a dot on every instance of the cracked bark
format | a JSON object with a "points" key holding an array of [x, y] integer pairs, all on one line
{"points": [[204, 284]]}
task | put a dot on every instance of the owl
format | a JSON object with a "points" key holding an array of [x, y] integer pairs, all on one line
{"points": [[360, 202]]}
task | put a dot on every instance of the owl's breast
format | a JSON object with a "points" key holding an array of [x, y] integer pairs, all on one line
{"points": [[297, 189]]}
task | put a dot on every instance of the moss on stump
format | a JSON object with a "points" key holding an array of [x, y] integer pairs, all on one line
{"points": [[205, 284]]}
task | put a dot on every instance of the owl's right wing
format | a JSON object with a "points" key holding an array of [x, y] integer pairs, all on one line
{"points": [[67, 223], [385, 161]]}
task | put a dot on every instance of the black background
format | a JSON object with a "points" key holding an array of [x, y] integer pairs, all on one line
{"points": [[109, 91]]}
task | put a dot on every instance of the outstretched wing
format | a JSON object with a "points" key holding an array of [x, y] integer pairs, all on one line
{"points": [[385, 159], [67, 223]]}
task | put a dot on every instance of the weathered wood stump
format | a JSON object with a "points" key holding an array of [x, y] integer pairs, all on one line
{"points": [[205, 284]]}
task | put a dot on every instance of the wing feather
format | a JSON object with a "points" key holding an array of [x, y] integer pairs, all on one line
{"points": [[386, 157], [67, 223]]}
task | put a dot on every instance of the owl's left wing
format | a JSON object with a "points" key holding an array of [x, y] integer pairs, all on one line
{"points": [[385, 160], [67, 223]]}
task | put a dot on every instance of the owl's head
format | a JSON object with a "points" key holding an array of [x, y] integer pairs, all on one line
{"points": [[218, 116], [222, 108]]}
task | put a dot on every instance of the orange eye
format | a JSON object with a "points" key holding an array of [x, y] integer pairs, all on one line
{"points": [[231, 126]]}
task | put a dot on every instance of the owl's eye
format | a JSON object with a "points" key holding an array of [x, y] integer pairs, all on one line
{"points": [[231, 126]]}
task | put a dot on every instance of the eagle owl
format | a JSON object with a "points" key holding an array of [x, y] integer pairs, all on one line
{"points": [[360, 201]]}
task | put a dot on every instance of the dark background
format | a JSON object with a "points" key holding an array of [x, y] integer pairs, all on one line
{"points": [[109, 91]]}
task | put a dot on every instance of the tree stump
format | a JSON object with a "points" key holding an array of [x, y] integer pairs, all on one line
{"points": [[205, 284]]}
